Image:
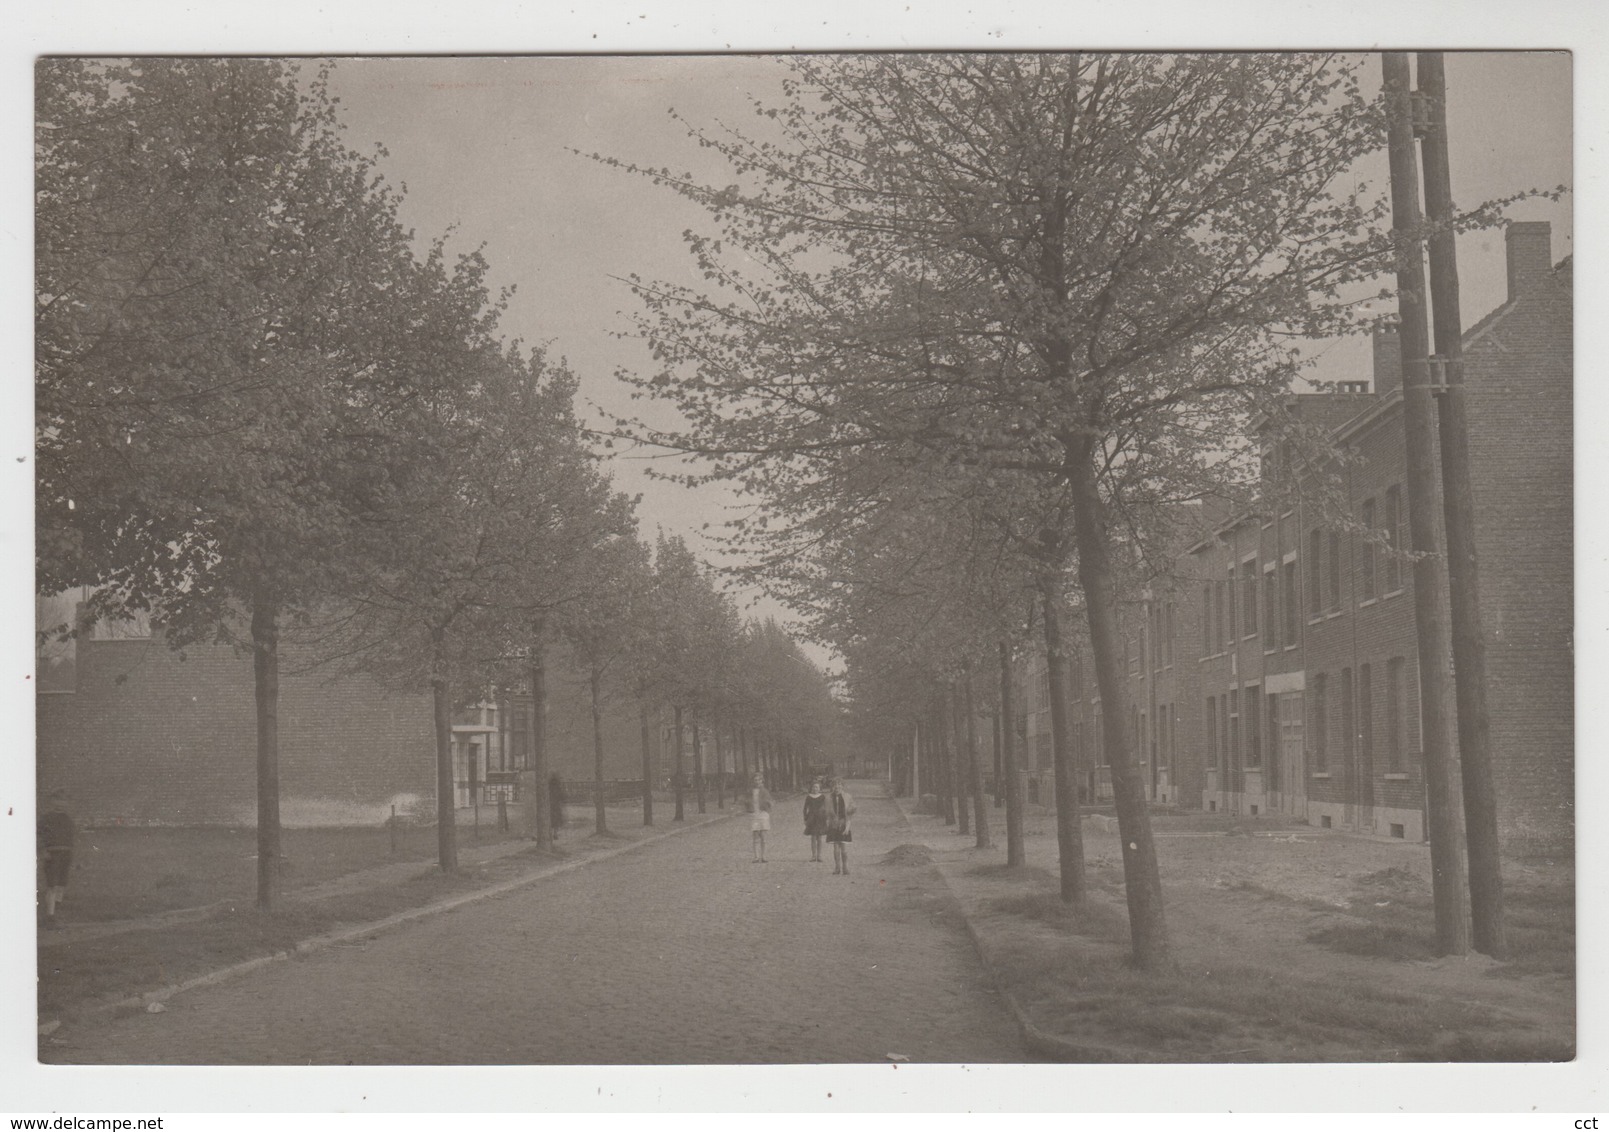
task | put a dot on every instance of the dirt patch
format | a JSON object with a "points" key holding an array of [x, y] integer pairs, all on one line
{"points": [[906, 856]]}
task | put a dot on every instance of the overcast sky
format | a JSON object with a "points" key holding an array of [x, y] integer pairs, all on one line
{"points": [[484, 145], [1510, 127]]}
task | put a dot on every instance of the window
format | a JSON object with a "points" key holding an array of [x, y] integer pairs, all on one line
{"points": [[1366, 718], [1366, 558], [1208, 616], [1229, 609], [1212, 731], [1335, 570], [1232, 740], [1248, 598], [1315, 558], [1394, 721], [1162, 751], [1254, 731], [1270, 607], [1292, 604], [1321, 753], [1167, 634], [1393, 539], [1223, 731], [1273, 741], [1348, 723]]}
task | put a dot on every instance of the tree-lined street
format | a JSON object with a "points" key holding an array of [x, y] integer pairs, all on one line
{"points": [[681, 952]]}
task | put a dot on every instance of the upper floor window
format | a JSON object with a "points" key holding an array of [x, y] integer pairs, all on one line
{"points": [[1248, 599], [1392, 521], [1292, 597], [1270, 607], [1315, 559], [1335, 570], [1367, 578], [1229, 610]]}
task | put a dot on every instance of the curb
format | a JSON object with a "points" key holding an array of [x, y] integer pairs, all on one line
{"points": [[1038, 1040], [143, 1001]]}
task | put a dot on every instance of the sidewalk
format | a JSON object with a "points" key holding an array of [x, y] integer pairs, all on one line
{"points": [[363, 879], [485, 871]]}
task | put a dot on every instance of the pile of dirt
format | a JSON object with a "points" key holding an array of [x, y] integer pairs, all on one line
{"points": [[1395, 880], [907, 855]]}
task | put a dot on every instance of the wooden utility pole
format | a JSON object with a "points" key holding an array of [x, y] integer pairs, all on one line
{"points": [[1458, 510], [1448, 877]]}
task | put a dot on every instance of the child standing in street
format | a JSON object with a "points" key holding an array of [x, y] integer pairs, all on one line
{"points": [[760, 822], [56, 835], [815, 817], [840, 808]]}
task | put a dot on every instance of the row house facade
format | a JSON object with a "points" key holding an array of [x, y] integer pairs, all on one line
{"points": [[1276, 671]]}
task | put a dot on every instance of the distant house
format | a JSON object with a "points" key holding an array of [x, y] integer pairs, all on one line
{"points": [[1281, 676]]}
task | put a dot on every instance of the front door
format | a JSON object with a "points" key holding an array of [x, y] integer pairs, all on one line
{"points": [[1292, 772]]}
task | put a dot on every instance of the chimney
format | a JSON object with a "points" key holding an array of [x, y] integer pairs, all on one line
{"points": [[1387, 357], [1530, 255]]}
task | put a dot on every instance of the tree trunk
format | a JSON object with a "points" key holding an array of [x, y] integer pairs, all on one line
{"points": [[999, 769], [917, 739], [1141, 879], [1069, 830], [681, 813], [442, 705], [962, 764], [743, 755], [647, 765], [980, 813], [538, 814], [1016, 854], [720, 771], [265, 678], [599, 820], [941, 743], [698, 764]]}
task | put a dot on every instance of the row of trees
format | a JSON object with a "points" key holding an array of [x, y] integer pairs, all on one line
{"points": [[978, 325], [262, 413]]}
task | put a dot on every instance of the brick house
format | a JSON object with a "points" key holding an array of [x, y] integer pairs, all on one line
{"points": [[1277, 671]]}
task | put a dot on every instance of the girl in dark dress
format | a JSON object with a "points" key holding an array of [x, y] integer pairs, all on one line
{"points": [[815, 818]]}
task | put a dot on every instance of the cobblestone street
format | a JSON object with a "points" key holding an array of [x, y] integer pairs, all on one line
{"points": [[682, 952]]}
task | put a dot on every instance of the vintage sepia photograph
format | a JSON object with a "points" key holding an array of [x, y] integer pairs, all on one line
{"points": [[893, 559]]}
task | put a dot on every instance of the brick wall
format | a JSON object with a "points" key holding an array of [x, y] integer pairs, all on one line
{"points": [[153, 735]]}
